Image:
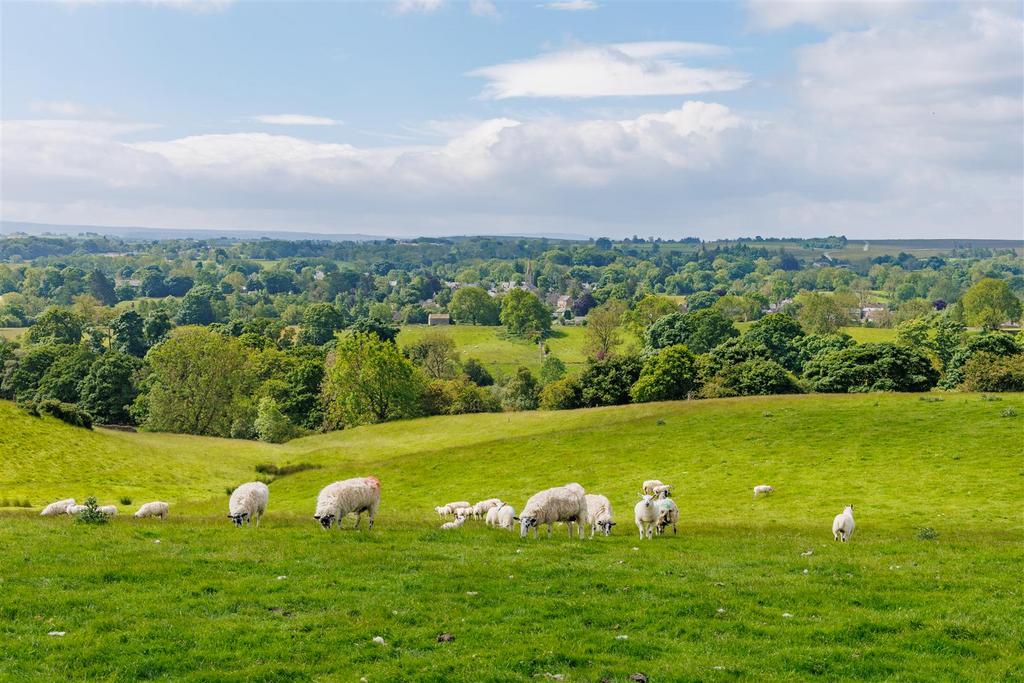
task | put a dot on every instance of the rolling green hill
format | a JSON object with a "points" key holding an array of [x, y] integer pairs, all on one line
{"points": [[927, 589]]}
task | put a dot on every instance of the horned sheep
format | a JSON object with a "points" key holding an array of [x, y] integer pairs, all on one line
{"points": [[358, 495]]}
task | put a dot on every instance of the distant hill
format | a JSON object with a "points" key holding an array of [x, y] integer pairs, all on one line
{"points": [[140, 233]]}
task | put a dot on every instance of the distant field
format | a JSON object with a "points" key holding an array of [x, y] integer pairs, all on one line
{"points": [[749, 589], [12, 332]]}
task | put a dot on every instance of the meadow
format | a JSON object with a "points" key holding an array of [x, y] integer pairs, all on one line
{"points": [[928, 589]]}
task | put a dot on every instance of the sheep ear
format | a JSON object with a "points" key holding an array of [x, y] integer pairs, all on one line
{"points": [[516, 518]]}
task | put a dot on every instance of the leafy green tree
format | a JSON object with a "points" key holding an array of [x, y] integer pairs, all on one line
{"points": [[813, 345], [128, 334], [607, 382], [602, 336], [738, 308], [102, 287], [521, 391], [752, 377], [62, 378], [271, 424], [551, 370], [319, 323], [368, 380], [384, 331], [989, 303], [435, 354], [562, 394], [21, 380], [994, 343], [700, 300], [871, 367], [779, 334], [457, 397], [197, 383], [700, 330], [524, 315], [156, 327], [989, 372], [646, 312], [477, 373], [197, 306], [56, 326], [474, 306], [109, 388], [153, 285], [821, 314], [670, 375]]}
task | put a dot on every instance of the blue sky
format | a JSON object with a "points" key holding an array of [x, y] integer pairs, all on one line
{"points": [[894, 119]]}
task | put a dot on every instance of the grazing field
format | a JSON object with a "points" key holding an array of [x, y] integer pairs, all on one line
{"points": [[929, 587], [12, 332]]}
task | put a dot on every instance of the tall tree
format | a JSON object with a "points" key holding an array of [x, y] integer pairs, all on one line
{"points": [[989, 303], [319, 323], [129, 337], [102, 287], [473, 306], [56, 326], [435, 354], [602, 331], [524, 315], [109, 388]]}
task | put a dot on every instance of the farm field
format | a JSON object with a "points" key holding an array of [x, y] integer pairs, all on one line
{"points": [[12, 332], [735, 595]]}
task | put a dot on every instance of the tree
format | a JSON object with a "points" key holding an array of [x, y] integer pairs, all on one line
{"points": [[21, 380], [668, 376], [700, 331], [56, 326], [989, 372], [700, 300], [994, 343], [551, 370], [102, 287], [319, 323], [813, 345], [61, 379], [128, 334], [473, 306], [384, 331], [563, 394], [153, 285], [521, 392], [753, 377], [109, 388], [524, 315], [583, 303], [738, 308], [602, 332], [197, 383], [989, 303], [367, 381], [821, 313], [156, 327], [435, 354], [607, 382], [271, 424], [179, 285], [197, 306], [477, 373], [778, 333], [646, 312], [871, 367]]}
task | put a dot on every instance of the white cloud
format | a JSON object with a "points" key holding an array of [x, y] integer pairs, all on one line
{"points": [[418, 6], [296, 120], [828, 14], [484, 8], [572, 5], [617, 70]]}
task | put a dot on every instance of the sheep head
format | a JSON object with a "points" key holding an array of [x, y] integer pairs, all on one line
{"points": [[325, 520], [525, 524]]}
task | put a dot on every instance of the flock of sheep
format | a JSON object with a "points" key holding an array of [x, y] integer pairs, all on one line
{"points": [[568, 504]]}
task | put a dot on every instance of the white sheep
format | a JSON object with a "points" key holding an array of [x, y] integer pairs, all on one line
{"points": [[443, 510], [842, 525], [492, 517], [481, 508], [464, 511], [248, 502], [108, 510], [155, 509], [453, 507], [59, 507], [599, 514], [649, 485], [662, 491], [763, 489], [76, 509], [558, 504], [455, 524], [668, 513], [506, 517], [645, 514], [358, 495]]}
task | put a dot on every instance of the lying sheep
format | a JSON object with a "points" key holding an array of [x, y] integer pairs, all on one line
{"points": [[763, 489], [649, 486], [645, 514], [455, 524], [842, 525], [108, 510], [59, 507], [154, 509], [481, 508], [668, 513], [248, 502], [358, 495], [558, 504], [599, 514]]}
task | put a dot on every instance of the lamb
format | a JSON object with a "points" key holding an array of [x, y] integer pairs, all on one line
{"points": [[558, 504], [662, 491], [464, 511], [108, 510], [645, 514], [248, 502], [59, 507], [76, 509], [842, 525], [459, 521], [649, 485], [763, 489], [443, 510], [599, 514], [492, 517], [358, 495], [481, 508], [154, 509], [506, 517], [668, 513]]}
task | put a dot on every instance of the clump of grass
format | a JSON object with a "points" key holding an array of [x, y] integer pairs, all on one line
{"points": [[125, 500], [989, 397], [229, 489], [926, 533], [15, 503], [661, 423], [279, 471], [1008, 412], [931, 399], [91, 514]]}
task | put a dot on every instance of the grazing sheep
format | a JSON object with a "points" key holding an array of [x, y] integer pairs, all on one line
{"points": [[108, 510], [481, 508], [76, 509], [506, 517], [763, 489], [154, 509], [59, 507], [663, 491], [455, 524], [248, 502], [465, 511], [454, 507], [443, 510], [558, 504], [599, 514], [668, 513], [649, 485], [842, 525], [645, 514], [358, 495]]}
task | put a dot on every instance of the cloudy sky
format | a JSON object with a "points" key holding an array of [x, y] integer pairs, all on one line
{"points": [[425, 117]]}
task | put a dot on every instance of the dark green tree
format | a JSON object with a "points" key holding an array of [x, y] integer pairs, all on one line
{"points": [[56, 326], [128, 334], [109, 388]]}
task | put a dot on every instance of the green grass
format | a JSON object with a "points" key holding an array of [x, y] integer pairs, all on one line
{"points": [[503, 353], [205, 603]]}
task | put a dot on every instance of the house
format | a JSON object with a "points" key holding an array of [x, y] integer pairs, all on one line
{"points": [[439, 319]]}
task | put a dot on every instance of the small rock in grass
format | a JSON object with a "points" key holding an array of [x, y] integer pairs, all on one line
{"points": [[721, 610], [472, 593], [511, 576], [156, 541], [281, 578], [786, 615], [622, 637], [635, 548], [56, 633], [378, 640], [638, 678], [445, 638]]}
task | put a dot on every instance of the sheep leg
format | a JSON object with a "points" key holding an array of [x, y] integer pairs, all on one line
{"points": [[370, 515], [359, 518]]}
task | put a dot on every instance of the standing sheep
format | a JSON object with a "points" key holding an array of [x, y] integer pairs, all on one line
{"points": [[763, 489], [154, 509], [443, 510], [76, 509], [358, 495], [506, 517], [599, 514], [108, 510], [668, 513], [558, 504], [645, 514], [59, 507], [662, 491], [248, 502], [492, 517], [842, 525], [649, 486], [481, 508], [454, 507]]}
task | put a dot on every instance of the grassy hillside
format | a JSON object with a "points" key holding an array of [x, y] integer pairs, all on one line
{"points": [[207, 601]]}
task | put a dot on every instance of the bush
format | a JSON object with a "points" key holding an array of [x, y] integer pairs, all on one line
{"points": [[996, 344], [457, 397], [989, 372], [671, 375], [753, 377], [699, 330], [125, 500], [477, 373], [521, 392], [271, 424], [871, 367], [608, 382], [562, 394], [66, 412], [91, 514], [926, 533], [780, 335], [276, 472]]}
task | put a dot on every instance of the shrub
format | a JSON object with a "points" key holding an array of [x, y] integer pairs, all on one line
{"points": [[562, 394], [477, 373], [989, 372], [271, 424], [755, 377], [926, 533], [125, 500], [457, 397], [91, 514], [66, 412], [521, 392], [871, 367], [551, 370], [668, 376], [995, 343]]}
